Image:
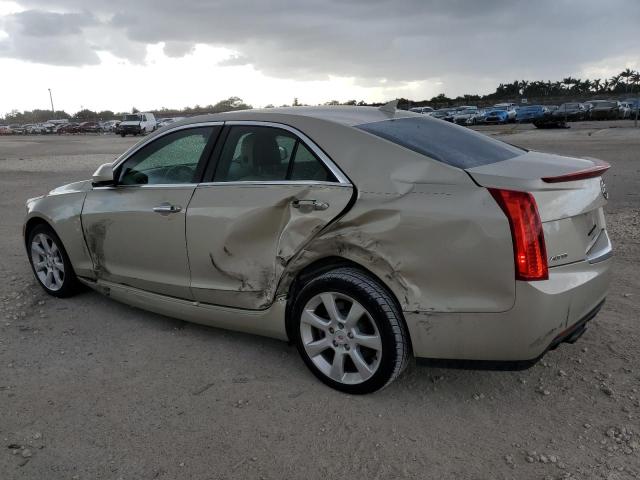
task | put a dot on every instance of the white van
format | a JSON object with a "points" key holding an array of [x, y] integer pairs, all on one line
{"points": [[137, 123]]}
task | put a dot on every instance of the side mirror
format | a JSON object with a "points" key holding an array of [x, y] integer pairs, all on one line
{"points": [[103, 175]]}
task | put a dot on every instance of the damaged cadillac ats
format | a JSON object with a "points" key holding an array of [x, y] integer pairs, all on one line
{"points": [[365, 236]]}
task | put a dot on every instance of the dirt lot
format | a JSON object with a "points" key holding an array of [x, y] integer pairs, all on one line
{"points": [[92, 389]]}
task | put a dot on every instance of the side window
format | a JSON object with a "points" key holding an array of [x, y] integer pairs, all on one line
{"points": [[171, 159], [307, 167], [255, 153]]}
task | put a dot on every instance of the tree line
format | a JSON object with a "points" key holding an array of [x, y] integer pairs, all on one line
{"points": [[86, 115], [626, 82]]}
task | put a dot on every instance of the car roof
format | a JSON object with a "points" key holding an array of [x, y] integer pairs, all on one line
{"points": [[331, 128], [344, 115]]}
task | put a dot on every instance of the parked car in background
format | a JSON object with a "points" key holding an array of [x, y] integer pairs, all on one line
{"points": [[570, 112], [137, 124], [360, 248], [70, 127], [90, 127], [604, 109], [528, 113], [496, 115], [109, 125], [35, 129], [17, 129], [634, 105], [163, 122], [422, 110], [443, 114], [510, 108], [6, 130], [466, 116], [624, 110]]}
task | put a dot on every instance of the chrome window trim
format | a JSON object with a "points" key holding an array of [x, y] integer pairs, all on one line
{"points": [[156, 185], [135, 148], [275, 182], [324, 158]]}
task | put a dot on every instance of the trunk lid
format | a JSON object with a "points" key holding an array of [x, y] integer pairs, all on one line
{"points": [[571, 210]]}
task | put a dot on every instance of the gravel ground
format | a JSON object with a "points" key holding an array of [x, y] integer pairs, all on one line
{"points": [[93, 389]]}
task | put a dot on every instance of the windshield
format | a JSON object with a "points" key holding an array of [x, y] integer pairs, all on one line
{"points": [[456, 146], [605, 104], [132, 118]]}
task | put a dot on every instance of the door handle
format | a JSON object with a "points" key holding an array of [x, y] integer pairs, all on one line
{"points": [[308, 205], [167, 208]]}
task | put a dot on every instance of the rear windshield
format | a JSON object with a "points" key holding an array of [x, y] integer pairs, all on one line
{"points": [[451, 144]]}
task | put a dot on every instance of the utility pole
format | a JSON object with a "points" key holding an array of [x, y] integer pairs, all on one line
{"points": [[53, 112]]}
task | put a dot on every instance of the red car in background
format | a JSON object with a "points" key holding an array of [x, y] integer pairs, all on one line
{"points": [[68, 128], [90, 127]]}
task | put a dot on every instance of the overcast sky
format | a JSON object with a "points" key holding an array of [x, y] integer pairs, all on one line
{"points": [[118, 54]]}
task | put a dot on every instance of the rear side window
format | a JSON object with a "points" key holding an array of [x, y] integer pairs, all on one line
{"points": [[451, 144], [266, 154]]}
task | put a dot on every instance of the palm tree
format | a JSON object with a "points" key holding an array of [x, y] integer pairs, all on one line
{"points": [[626, 74], [614, 82], [635, 79], [596, 85], [569, 81]]}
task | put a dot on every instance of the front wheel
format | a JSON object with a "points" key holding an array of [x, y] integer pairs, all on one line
{"points": [[350, 331], [50, 262]]}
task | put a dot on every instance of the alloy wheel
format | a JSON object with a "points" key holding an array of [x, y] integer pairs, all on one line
{"points": [[341, 338], [47, 262]]}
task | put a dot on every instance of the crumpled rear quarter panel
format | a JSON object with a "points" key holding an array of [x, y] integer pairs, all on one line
{"points": [[437, 247]]}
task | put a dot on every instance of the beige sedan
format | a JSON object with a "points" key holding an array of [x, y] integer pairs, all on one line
{"points": [[365, 236]]}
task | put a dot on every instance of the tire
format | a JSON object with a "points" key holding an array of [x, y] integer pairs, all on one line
{"points": [[123, 135], [372, 345], [54, 256]]}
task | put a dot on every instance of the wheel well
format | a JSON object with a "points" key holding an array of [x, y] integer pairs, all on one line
{"points": [[319, 267], [32, 223]]}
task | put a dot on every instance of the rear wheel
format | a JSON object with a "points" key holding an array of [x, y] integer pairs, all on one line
{"points": [[350, 332], [50, 263]]}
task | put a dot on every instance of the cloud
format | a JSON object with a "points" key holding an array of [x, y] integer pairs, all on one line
{"points": [[178, 49], [235, 61], [48, 37], [368, 40]]}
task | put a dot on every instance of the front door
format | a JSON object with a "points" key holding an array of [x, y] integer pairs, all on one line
{"points": [[135, 230], [271, 192]]}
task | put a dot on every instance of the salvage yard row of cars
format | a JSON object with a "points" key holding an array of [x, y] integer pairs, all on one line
{"points": [[541, 115], [134, 124]]}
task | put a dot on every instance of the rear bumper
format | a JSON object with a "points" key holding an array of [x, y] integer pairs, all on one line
{"points": [[544, 314]]}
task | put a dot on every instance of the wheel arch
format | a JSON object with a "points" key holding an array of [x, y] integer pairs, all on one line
{"points": [[320, 266], [32, 223]]}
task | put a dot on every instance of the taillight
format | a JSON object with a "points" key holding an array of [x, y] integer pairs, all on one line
{"points": [[529, 250]]}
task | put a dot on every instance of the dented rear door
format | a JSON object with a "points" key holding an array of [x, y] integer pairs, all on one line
{"points": [[271, 193], [240, 237]]}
